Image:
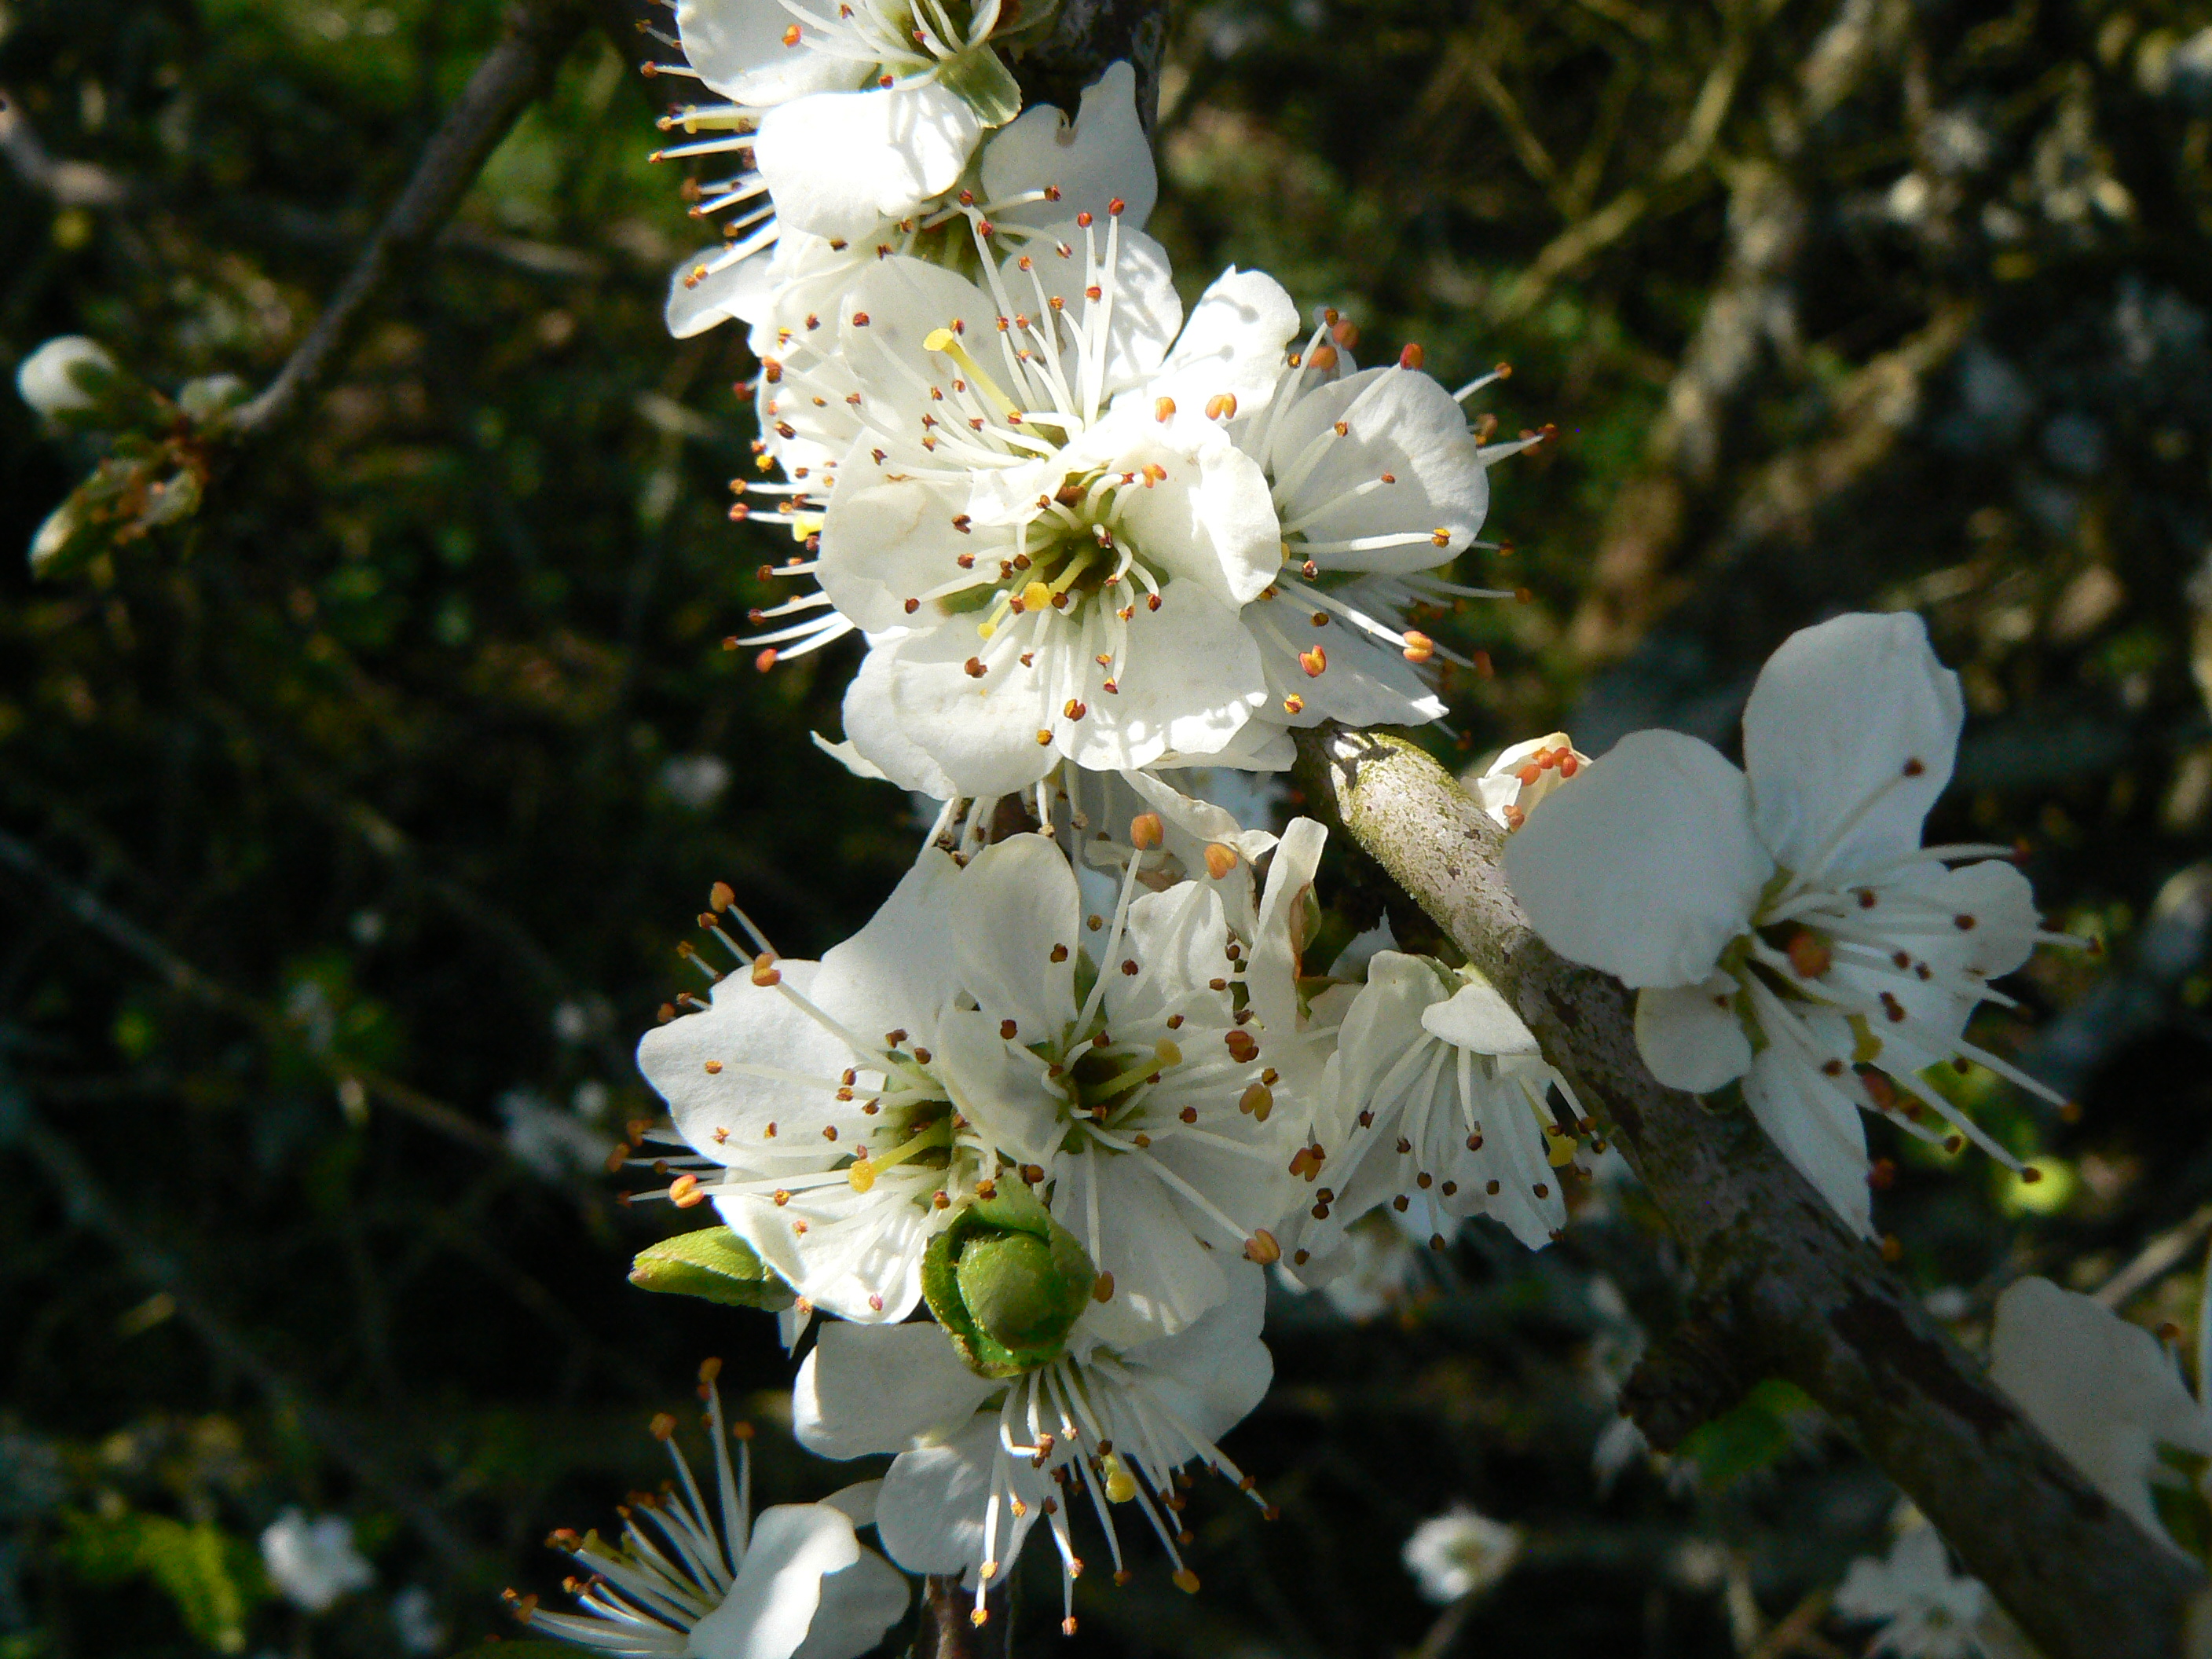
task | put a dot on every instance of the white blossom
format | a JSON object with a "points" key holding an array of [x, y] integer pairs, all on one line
{"points": [[979, 1461], [1438, 1108], [979, 1031], [1925, 1610], [1021, 192], [1527, 773], [414, 1621], [1786, 926], [846, 116], [1074, 524], [1459, 1552], [56, 378], [709, 1579], [314, 1563], [2103, 1391]]}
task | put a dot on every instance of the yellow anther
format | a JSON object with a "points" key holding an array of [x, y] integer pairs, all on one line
{"points": [[1121, 1484]]}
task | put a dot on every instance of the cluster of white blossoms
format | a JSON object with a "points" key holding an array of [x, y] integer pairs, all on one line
{"points": [[1029, 1144]]}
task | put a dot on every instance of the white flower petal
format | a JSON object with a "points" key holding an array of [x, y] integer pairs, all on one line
{"points": [[778, 1583], [1838, 713], [1015, 926], [931, 1512], [885, 543], [697, 302], [894, 972], [1178, 938], [738, 47], [1647, 866], [1362, 681], [748, 1023], [1164, 1278], [998, 1086], [1476, 1018], [1689, 1034], [1233, 341], [981, 732], [875, 736], [1200, 819], [1099, 157], [868, 1389], [1817, 1127], [2101, 1390], [840, 163], [1398, 421], [859, 1604], [1146, 309], [1209, 520], [1271, 975], [1189, 685], [1213, 1374]]}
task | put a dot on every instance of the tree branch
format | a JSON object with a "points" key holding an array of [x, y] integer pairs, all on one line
{"points": [[1086, 36], [513, 73], [1782, 1287]]}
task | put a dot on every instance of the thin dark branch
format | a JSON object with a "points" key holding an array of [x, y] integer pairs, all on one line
{"points": [[1782, 1288], [511, 76], [182, 977]]}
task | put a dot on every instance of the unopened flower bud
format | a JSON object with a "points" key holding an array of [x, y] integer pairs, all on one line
{"points": [[1007, 1282]]}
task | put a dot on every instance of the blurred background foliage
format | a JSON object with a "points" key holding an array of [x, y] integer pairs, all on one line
{"points": [[345, 829]]}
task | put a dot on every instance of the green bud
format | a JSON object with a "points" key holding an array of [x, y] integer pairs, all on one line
{"points": [[713, 1263], [1008, 1283]]}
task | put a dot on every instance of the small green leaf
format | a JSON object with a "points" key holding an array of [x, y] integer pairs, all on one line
{"points": [[713, 1263], [1757, 1434], [214, 1579]]}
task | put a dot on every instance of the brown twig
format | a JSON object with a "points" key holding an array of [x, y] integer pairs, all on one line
{"points": [[1781, 1286], [513, 73]]}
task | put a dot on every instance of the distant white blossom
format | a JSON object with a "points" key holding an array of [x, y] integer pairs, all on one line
{"points": [[314, 1563], [415, 1621], [1925, 1610], [1459, 1552]]}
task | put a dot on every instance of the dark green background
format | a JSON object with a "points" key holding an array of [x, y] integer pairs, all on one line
{"points": [[377, 750]]}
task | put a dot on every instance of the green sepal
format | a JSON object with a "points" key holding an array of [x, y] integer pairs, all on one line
{"points": [[713, 1263], [984, 83], [1008, 1283]]}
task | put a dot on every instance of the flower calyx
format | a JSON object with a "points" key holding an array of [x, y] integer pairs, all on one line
{"points": [[1008, 1283]]}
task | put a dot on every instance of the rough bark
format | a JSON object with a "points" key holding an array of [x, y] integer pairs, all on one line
{"points": [[1782, 1288], [1086, 36]]}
